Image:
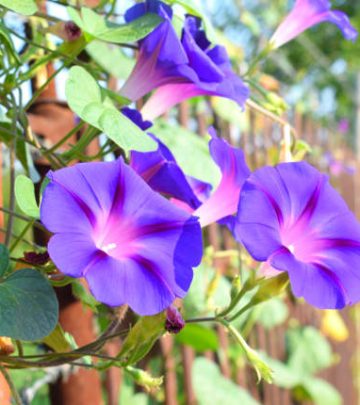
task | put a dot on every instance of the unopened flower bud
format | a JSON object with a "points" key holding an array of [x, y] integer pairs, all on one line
{"points": [[174, 320], [37, 259], [72, 31]]}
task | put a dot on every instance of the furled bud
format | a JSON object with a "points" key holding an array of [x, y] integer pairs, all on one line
{"points": [[37, 259], [72, 31], [174, 320]]}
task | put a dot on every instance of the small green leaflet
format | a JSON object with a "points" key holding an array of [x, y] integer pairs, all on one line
{"points": [[142, 338], [25, 7], [97, 26], [87, 101], [25, 196]]}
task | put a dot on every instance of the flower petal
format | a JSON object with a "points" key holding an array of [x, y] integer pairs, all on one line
{"points": [[60, 210], [72, 253], [344, 261], [160, 170], [224, 201], [319, 286], [257, 225], [117, 282], [307, 13]]}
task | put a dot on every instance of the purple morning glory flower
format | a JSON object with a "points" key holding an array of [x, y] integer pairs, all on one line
{"points": [[291, 218], [132, 245], [179, 68], [307, 13]]}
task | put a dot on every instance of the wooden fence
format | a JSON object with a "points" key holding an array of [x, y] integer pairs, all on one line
{"points": [[52, 120]]}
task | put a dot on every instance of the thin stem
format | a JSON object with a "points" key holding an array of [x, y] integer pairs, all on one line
{"points": [[252, 105], [33, 245], [64, 139], [233, 304], [47, 17], [206, 319], [241, 311], [43, 87], [10, 221], [13, 390], [19, 348], [20, 237]]}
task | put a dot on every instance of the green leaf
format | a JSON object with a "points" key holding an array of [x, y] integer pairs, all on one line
{"points": [[86, 100], [141, 338], [128, 394], [198, 337], [321, 392], [81, 90], [310, 352], [190, 151], [7, 137], [6, 40], [4, 259], [105, 54], [97, 26], [25, 7], [207, 293], [272, 313], [25, 196], [57, 340], [29, 308], [84, 296], [212, 388], [123, 131], [284, 376]]}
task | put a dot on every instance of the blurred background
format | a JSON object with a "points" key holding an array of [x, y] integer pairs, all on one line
{"points": [[312, 83]]}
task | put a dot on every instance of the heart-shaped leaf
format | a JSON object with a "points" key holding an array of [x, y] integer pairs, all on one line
{"points": [[25, 196], [87, 101], [97, 26], [25, 7], [29, 308]]}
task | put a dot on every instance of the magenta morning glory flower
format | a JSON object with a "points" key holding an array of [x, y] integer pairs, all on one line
{"points": [[307, 13], [132, 245], [291, 218], [178, 68]]}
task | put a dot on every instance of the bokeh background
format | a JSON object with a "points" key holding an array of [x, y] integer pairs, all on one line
{"points": [[312, 83]]}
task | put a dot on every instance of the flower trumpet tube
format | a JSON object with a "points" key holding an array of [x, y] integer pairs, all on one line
{"points": [[223, 202], [291, 218], [306, 14], [163, 174], [178, 68], [131, 244]]}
